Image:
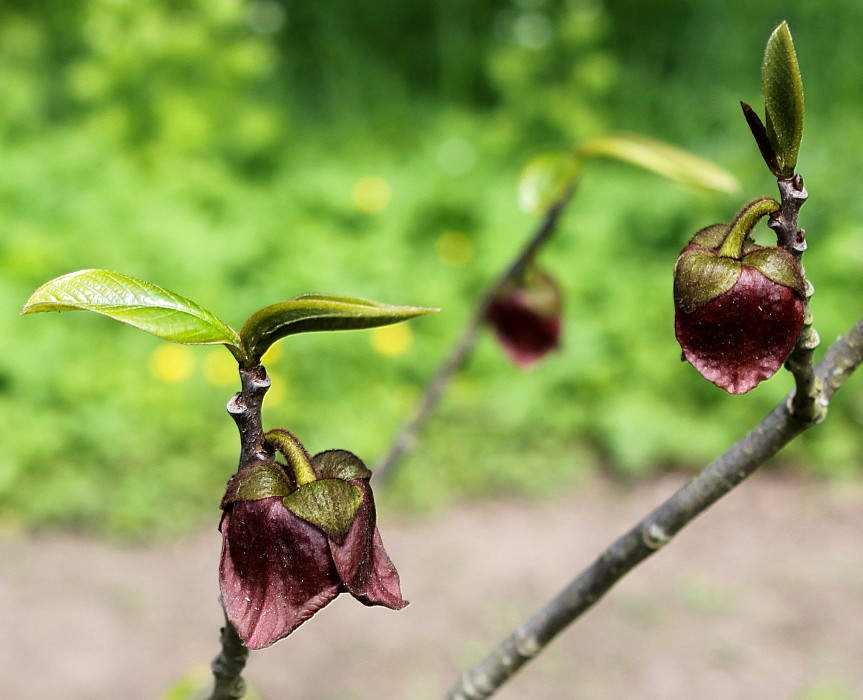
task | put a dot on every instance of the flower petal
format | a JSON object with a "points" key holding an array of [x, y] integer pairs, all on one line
{"points": [[276, 570], [362, 562]]}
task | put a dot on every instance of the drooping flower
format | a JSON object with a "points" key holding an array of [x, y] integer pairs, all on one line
{"points": [[294, 538], [526, 317], [739, 307]]}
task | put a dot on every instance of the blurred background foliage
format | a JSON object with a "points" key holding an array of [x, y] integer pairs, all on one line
{"points": [[242, 152]]}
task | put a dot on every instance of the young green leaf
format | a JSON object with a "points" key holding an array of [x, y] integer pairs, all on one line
{"points": [[546, 178], [782, 90], [661, 158], [140, 304], [316, 312]]}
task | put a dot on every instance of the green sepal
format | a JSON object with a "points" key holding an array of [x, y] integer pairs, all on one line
{"points": [[779, 266], [339, 464], [330, 504], [700, 276], [782, 90], [258, 480], [316, 312], [710, 236]]}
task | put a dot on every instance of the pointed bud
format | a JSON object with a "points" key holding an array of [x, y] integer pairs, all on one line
{"points": [[526, 317], [738, 307]]}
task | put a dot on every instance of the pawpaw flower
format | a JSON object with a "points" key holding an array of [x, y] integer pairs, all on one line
{"points": [[739, 307], [295, 537], [526, 317]]}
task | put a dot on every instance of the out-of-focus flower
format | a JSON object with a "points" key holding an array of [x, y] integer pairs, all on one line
{"points": [[739, 307], [526, 317], [294, 538]]}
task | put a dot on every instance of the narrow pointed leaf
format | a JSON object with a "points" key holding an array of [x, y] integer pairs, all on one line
{"points": [[782, 90], [316, 312], [330, 504], [546, 178], [141, 304], [765, 145], [663, 159]]}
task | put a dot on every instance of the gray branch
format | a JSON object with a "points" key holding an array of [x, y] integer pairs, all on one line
{"points": [[407, 435], [245, 408], [775, 431]]}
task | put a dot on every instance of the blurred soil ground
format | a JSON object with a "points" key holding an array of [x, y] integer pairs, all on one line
{"points": [[761, 597]]}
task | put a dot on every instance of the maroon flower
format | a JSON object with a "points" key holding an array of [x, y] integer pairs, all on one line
{"points": [[526, 317], [293, 542], [739, 307]]}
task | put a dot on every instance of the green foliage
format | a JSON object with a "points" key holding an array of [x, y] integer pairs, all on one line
{"points": [[782, 89], [141, 304], [317, 312], [177, 143]]}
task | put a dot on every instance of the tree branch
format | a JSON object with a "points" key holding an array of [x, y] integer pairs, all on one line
{"points": [[407, 435], [245, 408], [775, 431]]}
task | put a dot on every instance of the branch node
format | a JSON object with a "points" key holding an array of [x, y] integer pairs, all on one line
{"points": [[655, 537]]}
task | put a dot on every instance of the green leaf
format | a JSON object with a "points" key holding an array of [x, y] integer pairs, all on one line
{"points": [[330, 504], [140, 304], [546, 178], [782, 90], [663, 159], [316, 312]]}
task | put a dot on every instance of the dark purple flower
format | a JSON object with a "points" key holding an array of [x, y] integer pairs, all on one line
{"points": [[526, 318], [289, 550], [739, 307]]}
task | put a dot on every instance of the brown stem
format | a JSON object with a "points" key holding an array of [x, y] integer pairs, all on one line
{"points": [[245, 408], [775, 431], [407, 435]]}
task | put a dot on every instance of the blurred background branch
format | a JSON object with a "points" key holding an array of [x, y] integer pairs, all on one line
{"points": [[657, 529]]}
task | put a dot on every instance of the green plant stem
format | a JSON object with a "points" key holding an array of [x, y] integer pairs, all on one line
{"points": [[245, 408], [742, 225], [406, 437], [775, 431]]}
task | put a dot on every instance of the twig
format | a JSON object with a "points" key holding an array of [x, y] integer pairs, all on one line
{"points": [[807, 404], [407, 435], [228, 666], [245, 409], [775, 431]]}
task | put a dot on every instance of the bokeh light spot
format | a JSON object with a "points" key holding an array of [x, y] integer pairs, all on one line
{"points": [[219, 368], [172, 363], [454, 248], [371, 194], [392, 341], [456, 156], [275, 395]]}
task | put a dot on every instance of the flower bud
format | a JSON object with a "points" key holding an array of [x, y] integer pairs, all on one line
{"points": [[297, 535], [526, 317], [739, 307]]}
